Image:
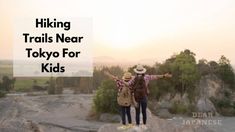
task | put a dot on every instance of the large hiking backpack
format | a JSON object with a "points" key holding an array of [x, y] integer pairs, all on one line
{"points": [[140, 89], [124, 96]]}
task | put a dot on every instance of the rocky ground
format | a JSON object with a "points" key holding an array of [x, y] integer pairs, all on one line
{"points": [[46, 113], [155, 124], [68, 113]]}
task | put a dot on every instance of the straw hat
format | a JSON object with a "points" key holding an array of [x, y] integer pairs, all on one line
{"points": [[139, 69], [127, 76]]}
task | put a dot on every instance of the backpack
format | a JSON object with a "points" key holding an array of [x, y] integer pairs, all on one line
{"points": [[124, 96], [140, 89]]}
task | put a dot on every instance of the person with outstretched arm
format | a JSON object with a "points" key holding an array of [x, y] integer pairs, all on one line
{"points": [[124, 98], [139, 85]]}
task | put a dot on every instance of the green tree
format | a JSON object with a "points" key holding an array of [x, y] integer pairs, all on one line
{"points": [[185, 72], [225, 71], [162, 86], [7, 83], [105, 98]]}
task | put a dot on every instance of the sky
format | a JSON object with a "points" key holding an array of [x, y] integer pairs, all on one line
{"points": [[137, 29]]}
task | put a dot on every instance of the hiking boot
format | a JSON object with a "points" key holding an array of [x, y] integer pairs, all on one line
{"points": [[130, 125]]}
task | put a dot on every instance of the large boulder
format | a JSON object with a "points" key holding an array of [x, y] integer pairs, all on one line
{"points": [[210, 86], [205, 105]]}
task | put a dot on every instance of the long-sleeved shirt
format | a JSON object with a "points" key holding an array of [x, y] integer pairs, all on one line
{"points": [[120, 83], [147, 79]]}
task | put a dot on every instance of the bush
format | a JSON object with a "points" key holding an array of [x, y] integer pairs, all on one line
{"points": [[224, 106], [179, 108], [225, 103], [155, 93], [160, 88], [2, 94], [105, 99]]}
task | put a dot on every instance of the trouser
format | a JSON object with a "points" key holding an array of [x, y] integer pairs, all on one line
{"points": [[126, 110], [143, 104]]}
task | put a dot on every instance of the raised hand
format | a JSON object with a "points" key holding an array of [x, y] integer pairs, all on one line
{"points": [[168, 75]]}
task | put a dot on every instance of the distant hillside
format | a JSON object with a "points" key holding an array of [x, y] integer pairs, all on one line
{"points": [[6, 62]]}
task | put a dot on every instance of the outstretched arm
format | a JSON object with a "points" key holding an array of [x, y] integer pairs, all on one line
{"points": [[110, 75], [166, 75]]}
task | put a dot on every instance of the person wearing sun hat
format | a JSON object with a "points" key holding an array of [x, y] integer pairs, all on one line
{"points": [[140, 88], [139, 69], [127, 76], [124, 103]]}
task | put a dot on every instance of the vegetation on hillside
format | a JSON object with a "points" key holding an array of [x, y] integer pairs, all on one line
{"points": [[186, 75], [186, 71], [104, 100], [6, 85]]}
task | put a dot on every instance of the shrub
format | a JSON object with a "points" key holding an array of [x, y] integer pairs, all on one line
{"points": [[154, 93], [224, 103], [179, 108], [2, 94], [224, 106], [105, 98]]}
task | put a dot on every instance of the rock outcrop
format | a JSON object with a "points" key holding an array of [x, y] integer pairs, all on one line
{"points": [[209, 86], [156, 124], [47, 113], [205, 105]]}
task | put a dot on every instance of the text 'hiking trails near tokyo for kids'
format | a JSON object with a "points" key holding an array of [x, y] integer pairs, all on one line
{"points": [[52, 47]]}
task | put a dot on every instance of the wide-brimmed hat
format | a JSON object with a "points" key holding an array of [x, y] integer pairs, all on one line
{"points": [[127, 76], [139, 69]]}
